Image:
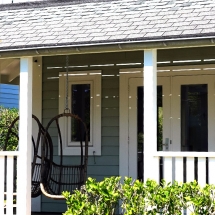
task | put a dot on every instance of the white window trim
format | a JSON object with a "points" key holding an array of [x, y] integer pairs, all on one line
{"points": [[94, 79]]}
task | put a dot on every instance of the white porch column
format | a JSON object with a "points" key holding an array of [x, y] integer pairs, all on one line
{"points": [[150, 115], [25, 129]]}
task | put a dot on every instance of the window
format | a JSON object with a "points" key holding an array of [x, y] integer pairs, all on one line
{"points": [[80, 105], [84, 92]]}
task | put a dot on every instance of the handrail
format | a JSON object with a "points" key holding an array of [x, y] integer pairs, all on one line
{"points": [[9, 153], [185, 154]]}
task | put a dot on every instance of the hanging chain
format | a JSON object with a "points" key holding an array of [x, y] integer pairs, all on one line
{"points": [[67, 83]]}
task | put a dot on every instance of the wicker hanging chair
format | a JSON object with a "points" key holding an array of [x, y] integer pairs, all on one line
{"points": [[36, 157], [63, 177]]}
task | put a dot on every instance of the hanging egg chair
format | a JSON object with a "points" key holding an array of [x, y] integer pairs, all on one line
{"points": [[63, 176], [12, 135]]}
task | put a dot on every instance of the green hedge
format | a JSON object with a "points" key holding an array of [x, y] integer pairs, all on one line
{"points": [[7, 115], [135, 197]]}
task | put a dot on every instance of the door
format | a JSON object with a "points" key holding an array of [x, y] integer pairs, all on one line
{"points": [[185, 110], [136, 127]]}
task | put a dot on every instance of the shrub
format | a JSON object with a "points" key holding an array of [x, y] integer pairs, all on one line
{"points": [[7, 115], [149, 198], [200, 200], [98, 198], [133, 195]]}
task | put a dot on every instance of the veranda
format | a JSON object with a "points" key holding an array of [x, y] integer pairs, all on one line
{"points": [[174, 70]]}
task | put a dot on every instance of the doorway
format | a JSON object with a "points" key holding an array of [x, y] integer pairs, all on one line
{"points": [[184, 107]]}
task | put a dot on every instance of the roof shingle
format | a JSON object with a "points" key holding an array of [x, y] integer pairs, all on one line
{"points": [[61, 22]]}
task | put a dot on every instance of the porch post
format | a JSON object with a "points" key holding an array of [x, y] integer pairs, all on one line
{"points": [[150, 114], [25, 129]]}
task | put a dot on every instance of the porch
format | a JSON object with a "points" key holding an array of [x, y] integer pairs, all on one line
{"points": [[121, 75]]}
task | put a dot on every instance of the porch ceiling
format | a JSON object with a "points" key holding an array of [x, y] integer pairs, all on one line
{"points": [[104, 26], [9, 70]]}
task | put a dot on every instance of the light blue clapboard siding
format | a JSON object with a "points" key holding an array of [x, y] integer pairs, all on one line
{"points": [[9, 95], [108, 163]]}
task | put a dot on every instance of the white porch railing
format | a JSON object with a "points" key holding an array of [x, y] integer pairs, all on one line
{"points": [[8, 180], [186, 166]]}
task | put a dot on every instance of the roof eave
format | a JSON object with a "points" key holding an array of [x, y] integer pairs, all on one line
{"points": [[116, 46]]}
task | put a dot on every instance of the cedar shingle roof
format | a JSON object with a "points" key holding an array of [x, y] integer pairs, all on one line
{"points": [[64, 22]]}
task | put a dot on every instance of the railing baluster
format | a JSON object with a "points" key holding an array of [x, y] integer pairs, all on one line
{"points": [[190, 177], [167, 169], [157, 169], [211, 170], [2, 172], [179, 169], [179, 172], [202, 171], [190, 169], [6, 183], [9, 191]]}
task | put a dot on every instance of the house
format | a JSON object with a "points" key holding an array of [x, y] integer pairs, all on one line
{"points": [[9, 95], [115, 48], [9, 88]]}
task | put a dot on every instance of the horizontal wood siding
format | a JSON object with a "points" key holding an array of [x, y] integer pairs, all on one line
{"points": [[9, 95], [99, 166]]}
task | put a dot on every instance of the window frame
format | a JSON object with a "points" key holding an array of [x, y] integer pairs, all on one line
{"points": [[82, 77]]}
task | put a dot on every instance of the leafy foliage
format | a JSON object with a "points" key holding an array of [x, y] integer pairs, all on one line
{"points": [[136, 197], [200, 200], [7, 115], [98, 198]]}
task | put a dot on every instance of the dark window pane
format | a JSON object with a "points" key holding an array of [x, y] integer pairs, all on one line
{"points": [[159, 119], [194, 117], [80, 107]]}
